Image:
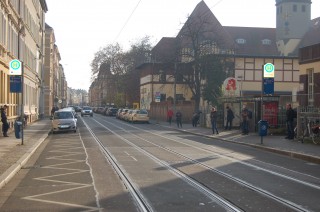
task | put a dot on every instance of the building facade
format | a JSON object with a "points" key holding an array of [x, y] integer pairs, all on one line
{"points": [[22, 37], [246, 48]]}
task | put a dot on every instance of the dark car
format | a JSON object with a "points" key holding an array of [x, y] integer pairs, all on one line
{"points": [[112, 111]]}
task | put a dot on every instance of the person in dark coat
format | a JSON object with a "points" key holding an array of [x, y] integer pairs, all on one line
{"points": [[245, 120], [289, 120], [230, 117], [4, 120], [179, 119], [213, 119], [195, 119]]}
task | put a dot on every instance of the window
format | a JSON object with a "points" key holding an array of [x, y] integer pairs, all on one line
{"points": [[303, 8], [310, 86], [163, 97], [241, 41], [179, 97], [294, 8], [162, 76], [266, 42], [179, 77]]}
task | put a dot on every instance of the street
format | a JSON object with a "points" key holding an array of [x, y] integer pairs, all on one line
{"points": [[112, 165]]}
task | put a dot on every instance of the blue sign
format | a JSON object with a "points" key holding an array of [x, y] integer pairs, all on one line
{"points": [[15, 84], [268, 86]]}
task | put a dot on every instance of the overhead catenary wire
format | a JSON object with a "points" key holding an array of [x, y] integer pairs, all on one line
{"points": [[124, 25]]}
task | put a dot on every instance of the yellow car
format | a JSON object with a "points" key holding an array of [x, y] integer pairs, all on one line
{"points": [[139, 116]]}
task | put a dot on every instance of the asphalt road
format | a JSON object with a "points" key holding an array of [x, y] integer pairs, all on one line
{"points": [[111, 165]]}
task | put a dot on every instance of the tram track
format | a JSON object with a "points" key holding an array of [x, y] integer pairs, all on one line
{"points": [[189, 179]]}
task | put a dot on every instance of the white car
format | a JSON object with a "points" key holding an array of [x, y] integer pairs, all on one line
{"points": [[86, 111], [64, 120]]}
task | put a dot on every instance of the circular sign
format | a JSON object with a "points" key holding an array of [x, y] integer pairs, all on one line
{"points": [[268, 70], [15, 67], [269, 67], [60, 101]]}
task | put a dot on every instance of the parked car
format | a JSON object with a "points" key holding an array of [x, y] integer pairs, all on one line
{"points": [[111, 111], [86, 111], [123, 113], [127, 116], [139, 116], [64, 120], [118, 113]]}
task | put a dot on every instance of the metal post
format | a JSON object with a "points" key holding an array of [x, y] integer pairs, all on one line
{"points": [[175, 87], [261, 111], [22, 100]]}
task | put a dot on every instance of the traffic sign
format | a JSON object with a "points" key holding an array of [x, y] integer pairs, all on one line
{"points": [[15, 84], [268, 86], [268, 70], [15, 67]]}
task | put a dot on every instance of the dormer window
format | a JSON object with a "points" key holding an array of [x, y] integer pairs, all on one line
{"points": [[266, 42], [241, 41]]}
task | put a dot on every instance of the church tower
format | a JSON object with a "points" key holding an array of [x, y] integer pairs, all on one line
{"points": [[293, 21]]}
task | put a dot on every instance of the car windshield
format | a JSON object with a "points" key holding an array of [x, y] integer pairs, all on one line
{"points": [[86, 108], [142, 112], [63, 115]]}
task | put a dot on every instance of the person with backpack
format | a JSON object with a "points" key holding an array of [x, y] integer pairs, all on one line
{"points": [[290, 115], [245, 120], [230, 117]]}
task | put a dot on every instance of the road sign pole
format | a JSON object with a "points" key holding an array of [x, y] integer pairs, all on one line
{"points": [[262, 89], [22, 101]]}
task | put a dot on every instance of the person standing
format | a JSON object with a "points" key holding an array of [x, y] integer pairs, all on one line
{"points": [[195, 119], [169, 115], [230, 117], [289, 120], [4, 120], [245, 120], [213, 119], [179, 119]]}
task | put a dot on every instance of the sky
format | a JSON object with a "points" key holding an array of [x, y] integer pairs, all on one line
{"points": [[83, 27]]}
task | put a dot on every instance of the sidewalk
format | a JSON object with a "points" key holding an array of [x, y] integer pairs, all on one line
{"points": [[273, 143], [13, 155]]}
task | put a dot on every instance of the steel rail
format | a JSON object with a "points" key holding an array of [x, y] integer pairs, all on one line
{"points": [[140, 200], [246, 184]]}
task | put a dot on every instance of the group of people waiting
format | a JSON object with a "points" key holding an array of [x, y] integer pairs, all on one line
{"points": [[213, 119], [246, 115]]}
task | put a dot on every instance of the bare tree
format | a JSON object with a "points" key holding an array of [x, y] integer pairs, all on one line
{"points": [[202, 43]]}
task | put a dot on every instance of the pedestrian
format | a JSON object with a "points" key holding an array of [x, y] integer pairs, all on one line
{"points": [[245, 120], [4, 120], [179, 119], [54, 109], [289, 119], [213, 118], [230, 117], [195, 119], [169, 115]]}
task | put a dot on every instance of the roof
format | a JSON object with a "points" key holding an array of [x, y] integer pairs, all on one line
{"points": [[165, 50], [254, 41], [246, 41], [202, 22], [312, 37]]}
